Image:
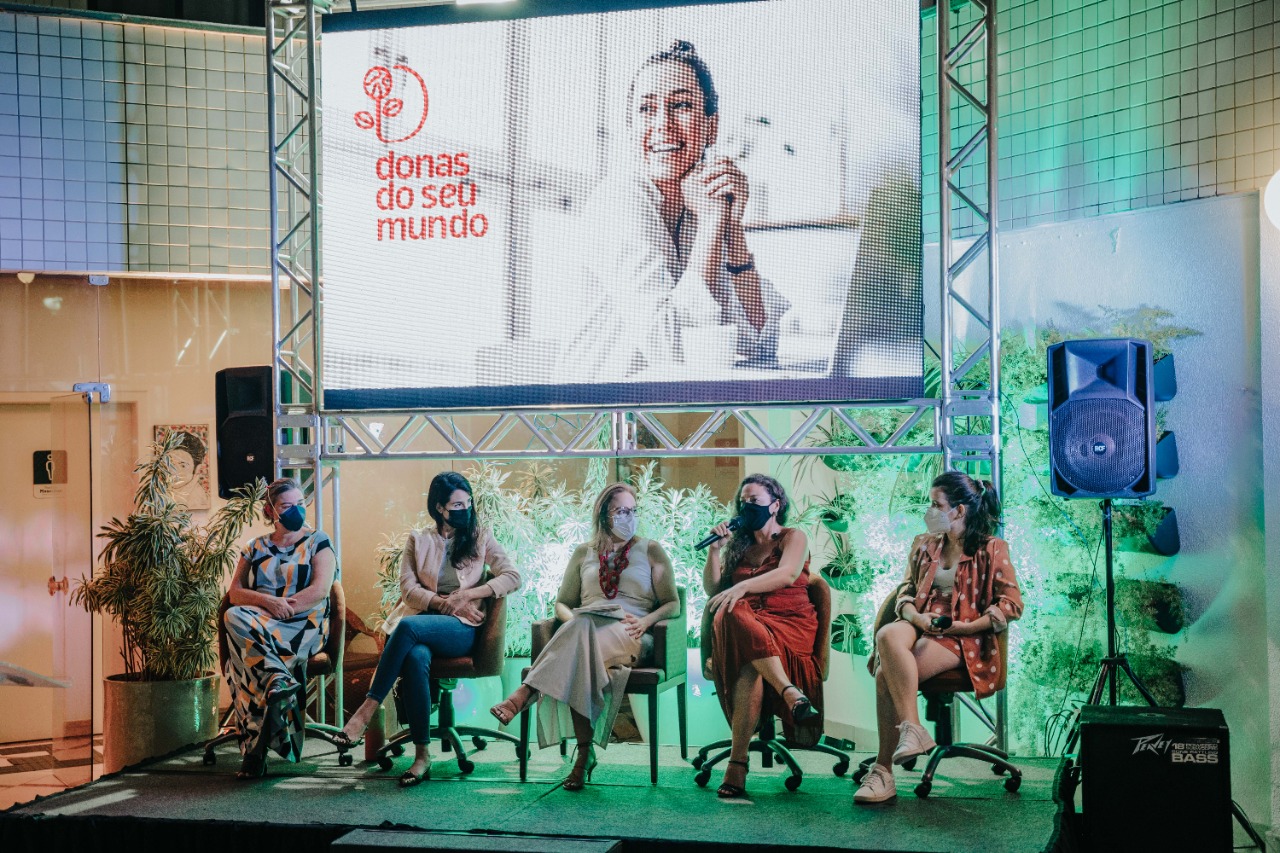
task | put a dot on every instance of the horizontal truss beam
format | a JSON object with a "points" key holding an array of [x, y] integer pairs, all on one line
{"points": [[540, 434]]}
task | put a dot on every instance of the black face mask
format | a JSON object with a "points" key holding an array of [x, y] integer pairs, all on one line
{"points": [[754, 517], [459, 519]]}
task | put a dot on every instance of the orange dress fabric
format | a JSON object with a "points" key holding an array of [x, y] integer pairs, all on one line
{"points": [[781, 623], [985, 583]]}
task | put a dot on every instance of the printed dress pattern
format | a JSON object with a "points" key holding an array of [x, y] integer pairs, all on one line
{"points": [[266, 656]]}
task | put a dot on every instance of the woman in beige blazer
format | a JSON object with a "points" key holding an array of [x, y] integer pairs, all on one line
{"points": [[442, 603]]}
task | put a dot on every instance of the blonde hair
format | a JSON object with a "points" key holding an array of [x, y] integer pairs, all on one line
{"points": [[601, 527], [275, 489]]}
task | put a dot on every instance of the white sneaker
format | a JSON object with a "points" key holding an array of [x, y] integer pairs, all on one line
{"points": [[914, 740], [877, 786]]}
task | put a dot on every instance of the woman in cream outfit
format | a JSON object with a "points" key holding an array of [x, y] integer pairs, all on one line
{"points": [[616, 588]]}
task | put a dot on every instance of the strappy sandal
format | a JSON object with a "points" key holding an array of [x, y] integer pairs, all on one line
{"points": [[344, 742], [506, 710], [727, 791], [408, 778], [802, 710], [575, 780]]}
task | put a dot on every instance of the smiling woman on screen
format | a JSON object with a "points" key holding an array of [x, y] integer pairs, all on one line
{"points": [[670, 279]]}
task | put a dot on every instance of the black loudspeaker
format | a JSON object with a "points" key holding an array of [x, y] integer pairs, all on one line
{"points": [[245, 448], [1155, 779], [1102, 419]]}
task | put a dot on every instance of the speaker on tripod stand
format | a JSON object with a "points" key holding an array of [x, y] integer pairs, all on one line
{"points": [[1103, 445]]}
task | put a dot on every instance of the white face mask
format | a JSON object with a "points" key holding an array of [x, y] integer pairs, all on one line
{"points": [[936, 521], [624, 528]]}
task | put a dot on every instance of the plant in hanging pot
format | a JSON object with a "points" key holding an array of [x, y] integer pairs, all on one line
{"points": [[160, 577]]}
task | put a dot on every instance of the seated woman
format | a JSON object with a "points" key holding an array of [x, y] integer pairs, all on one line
{"points": [[278, 618], [441, 607], [958, 569], [582, 672], [764, 627]]}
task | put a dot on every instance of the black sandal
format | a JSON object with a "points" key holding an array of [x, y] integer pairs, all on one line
{"points": [[729, 792], [344, 742], [802, 710], [408, 779]]}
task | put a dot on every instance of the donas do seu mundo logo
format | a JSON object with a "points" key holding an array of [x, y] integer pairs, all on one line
{"points": [[408, 179]]}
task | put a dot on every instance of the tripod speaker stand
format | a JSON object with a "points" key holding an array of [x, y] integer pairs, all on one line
{"points": [[1116, 661]]}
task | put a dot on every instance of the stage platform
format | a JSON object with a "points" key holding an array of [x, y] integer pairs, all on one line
{"points": [[178, 804]]}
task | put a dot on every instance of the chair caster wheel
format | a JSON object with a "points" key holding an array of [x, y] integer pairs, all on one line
{"points": [[466, 766], [479, 742], [923, 789], [345, 759], [792, 782], [841, 768], [703, 777], [910, 764], [209, 759], [859, 775], [522, 753], [1012, 784], [997, 769], [698, 761], [397, 750], [384, 764]]}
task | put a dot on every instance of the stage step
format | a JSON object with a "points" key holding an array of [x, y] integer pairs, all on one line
{"points": [[381, 840]]}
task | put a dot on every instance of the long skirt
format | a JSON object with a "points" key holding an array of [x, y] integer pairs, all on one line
{"points": [[265, 657], [585, 668]]}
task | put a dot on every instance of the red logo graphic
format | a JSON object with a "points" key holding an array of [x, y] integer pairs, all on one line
{"points": [[379, 83]]}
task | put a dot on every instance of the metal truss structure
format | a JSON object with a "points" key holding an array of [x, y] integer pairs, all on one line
{"points": [[963, 425]]}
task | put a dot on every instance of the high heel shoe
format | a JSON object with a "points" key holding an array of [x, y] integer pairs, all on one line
{"points": [[581, 768], [728, 791], [506, 710], [802, 710]]}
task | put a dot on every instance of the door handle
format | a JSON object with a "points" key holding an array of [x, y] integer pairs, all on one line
{"points": [[56, 586]]}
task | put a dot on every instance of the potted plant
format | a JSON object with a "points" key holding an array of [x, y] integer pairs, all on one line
{"points": [[160, 577]]}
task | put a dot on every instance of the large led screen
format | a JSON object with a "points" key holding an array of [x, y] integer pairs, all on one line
{"points": [[676, 204]]}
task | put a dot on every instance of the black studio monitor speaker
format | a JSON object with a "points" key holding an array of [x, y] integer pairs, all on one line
{"points": [[1155, 779], [1102, 419], [245, 446]]}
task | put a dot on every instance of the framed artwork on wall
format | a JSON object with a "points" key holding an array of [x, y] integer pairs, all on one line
{"points": [[191, 479]]}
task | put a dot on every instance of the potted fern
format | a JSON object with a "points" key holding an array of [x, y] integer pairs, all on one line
{"points": [[160, 577]]}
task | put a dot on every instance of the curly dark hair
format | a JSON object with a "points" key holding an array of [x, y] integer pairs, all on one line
{"points": [[743, 538]]}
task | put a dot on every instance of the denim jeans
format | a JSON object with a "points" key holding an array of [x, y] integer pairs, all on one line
{"points": [[408, 655]]}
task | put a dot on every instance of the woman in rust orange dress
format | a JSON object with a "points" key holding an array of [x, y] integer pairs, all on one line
{"points": [[764, 625]]}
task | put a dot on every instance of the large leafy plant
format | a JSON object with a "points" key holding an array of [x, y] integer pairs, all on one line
{"points": [[160, 575]]}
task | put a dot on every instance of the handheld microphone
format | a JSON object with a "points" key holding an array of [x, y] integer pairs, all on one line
{"points": [[734, 524], [941, 623]]}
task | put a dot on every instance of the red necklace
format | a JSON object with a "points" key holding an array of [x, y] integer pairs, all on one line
{"points": [[610, 575]]}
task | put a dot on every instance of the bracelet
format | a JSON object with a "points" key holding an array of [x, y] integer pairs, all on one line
{"points": [[747, 267]]}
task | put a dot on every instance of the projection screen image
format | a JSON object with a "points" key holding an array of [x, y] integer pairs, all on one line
{"points": [[674, 205]]}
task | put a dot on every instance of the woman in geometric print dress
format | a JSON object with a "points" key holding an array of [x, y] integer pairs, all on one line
{"points": [[278, 618], [958, 569]]}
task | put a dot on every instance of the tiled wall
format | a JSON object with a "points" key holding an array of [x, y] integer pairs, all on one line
{"points": [[1112, 105], [131, 147], [142, 147]]}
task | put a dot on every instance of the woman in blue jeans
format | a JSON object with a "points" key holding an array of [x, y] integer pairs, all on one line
{"points": [[442, 604]]}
